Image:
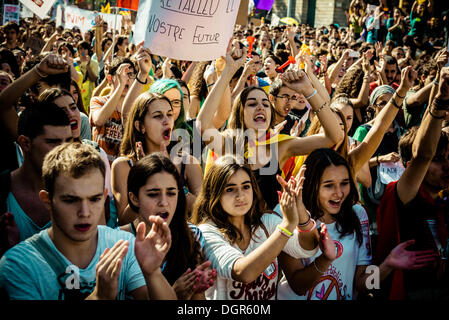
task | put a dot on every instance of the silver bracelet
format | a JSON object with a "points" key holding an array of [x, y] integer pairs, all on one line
{"points": [[316, 268], [36, 68]]}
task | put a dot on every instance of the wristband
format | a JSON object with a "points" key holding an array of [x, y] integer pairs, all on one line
{"points": [[309, 230], [312, 94], [436, 117], [393, 101], [141, 82], [439, 104], [284, 231], [399, 95], [307, 222]]}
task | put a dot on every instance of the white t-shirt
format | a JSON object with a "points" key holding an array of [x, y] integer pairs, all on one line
{"points": [[337, 282], [223, 255], [26, 275]]}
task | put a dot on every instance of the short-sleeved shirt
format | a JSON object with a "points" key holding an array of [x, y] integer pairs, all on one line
{"points": [[26, 275], [222, 255], [338, 280], [110, 135]]}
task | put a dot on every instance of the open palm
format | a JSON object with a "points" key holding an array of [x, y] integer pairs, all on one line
{"points": [[150, 250]]}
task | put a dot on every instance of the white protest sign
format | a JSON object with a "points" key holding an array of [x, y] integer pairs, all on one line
{"points": [[193, 30], [39, 7], [274, 20], [25, 12], [71, 16], [11, 13], [390, 171]]}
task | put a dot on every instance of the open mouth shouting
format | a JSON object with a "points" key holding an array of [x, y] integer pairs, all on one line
{"points": [[74, 125], [335, 203], [260, 118], [163, 215], [166, 134], [82, 227]]}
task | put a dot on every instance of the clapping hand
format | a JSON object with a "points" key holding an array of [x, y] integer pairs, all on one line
{"points": [[150, 250], [108, 271]]}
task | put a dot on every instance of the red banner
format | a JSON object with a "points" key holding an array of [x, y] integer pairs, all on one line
{"points": [[128, 4]]}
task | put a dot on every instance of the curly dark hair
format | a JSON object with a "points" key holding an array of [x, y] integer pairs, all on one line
{"points": [[351, 83]]}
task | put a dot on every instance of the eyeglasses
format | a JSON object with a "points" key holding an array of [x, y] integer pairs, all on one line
{"points": [[176, 103], [287, 98], [382, 104]]}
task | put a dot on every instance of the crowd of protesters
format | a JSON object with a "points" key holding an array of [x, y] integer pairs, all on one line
{"points": [[305, 164]]}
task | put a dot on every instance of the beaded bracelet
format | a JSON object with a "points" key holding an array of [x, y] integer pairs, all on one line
{"points": [[319, 109], [316, 268], [309, 230], [284, 231]]}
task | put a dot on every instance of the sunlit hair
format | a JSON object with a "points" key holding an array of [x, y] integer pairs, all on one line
{"points": [[138, 111], [208, 208], [185, 251], [316, 163]]}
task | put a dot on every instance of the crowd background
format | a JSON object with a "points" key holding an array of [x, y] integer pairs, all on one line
{"points": [[385, 55]]}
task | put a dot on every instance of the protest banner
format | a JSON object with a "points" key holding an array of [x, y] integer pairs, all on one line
{"points": [[11, 13], [39, 7], [194, 30], [71, 16]]}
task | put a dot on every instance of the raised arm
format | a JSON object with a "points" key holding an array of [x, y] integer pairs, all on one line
{"points": [[333, 133], [321, 90], [50, 65], [143, 58], [234, 60], [247, 268], [363, 152], [362, 99], [98, 37], [100, 117], [426, 142], [338, 65]]}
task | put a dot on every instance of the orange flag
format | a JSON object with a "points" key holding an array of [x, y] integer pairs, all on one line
{"points": [[128, 4]]}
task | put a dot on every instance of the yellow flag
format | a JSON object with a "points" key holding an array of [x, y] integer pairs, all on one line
{"points": [[106, 8]]}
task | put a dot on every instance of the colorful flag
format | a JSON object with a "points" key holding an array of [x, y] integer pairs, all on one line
{"points": [[128, 4], [106, 8]]}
